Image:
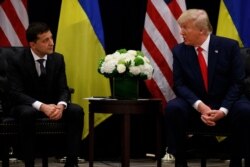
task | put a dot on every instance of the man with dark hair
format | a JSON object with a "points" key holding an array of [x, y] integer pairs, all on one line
{"points": [[39, 89], [208, 73]]}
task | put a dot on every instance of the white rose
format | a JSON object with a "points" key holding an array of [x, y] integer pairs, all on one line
{"points": [[108, 67], [130, 58], [108, 57], [132, 52], [116, 54], [135, 70], [121, 68], [147, 70]]}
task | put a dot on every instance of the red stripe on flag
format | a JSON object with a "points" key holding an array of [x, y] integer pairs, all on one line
{"points": [[158, 57], [15, 21], [3, 40], [25, 3], [13, 18], [175, 8], [161, 25]]}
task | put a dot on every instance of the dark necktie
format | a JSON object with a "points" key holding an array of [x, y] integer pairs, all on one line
{"points": [[42, 68], [203, 67]]}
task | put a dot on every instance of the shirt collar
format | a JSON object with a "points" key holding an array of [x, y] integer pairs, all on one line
{"points": [[205, 44], [36, 57]]}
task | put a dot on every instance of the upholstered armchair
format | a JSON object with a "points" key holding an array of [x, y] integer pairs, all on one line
{"points": [[46, 129]]}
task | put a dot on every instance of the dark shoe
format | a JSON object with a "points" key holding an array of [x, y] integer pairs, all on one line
{"points": [[235, 162]]}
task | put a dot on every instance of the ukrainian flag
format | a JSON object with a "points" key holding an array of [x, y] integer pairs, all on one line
{"points": [[234, 21], [80, 39]]}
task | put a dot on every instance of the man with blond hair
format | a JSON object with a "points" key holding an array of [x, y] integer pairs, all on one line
{"points": [[208, 73]]}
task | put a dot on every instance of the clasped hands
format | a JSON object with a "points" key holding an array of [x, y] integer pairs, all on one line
{"points": [[208, 115], [54, 112]]}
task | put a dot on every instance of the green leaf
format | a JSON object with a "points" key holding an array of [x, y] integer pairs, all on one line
{"points": [[122, 50], [138, 61], [139, 53]]}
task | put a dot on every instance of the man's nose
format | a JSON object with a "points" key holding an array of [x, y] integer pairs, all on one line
{"points": [[52, 42]]}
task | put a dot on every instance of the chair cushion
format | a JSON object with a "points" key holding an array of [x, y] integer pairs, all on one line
{"points": [[8, 126], [44, 126]]}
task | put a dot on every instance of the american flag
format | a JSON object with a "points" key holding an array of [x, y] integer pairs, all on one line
{"points": [[161, 33], [13, 22]]}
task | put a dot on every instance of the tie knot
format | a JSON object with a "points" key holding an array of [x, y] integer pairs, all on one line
{"points": [[41, 61], [199, 49], [42, 67]]}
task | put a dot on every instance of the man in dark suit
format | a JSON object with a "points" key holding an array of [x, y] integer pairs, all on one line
{"points": [[208, 94], [41, 90]]}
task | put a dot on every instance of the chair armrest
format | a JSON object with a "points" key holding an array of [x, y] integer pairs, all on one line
{"points": [[71, 91]]}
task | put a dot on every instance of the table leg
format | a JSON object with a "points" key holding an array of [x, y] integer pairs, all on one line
{"points": [[126, 140], [91, 138], [158, 138]]}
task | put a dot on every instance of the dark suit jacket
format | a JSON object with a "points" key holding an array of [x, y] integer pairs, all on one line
{"points": [[225, 73], [26, 87], [246, 53]]}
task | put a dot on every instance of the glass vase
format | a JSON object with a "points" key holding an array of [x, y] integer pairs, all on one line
{"points": [[125, 88]]}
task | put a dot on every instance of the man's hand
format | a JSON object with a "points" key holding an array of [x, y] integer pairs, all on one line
{"points": [[203, 108], [208, 116], [54, 112], [212, 116]]}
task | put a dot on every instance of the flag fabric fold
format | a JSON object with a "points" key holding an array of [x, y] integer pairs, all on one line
{"points": [[234, 21], [161, 33], [80, 39], [13, 23]]}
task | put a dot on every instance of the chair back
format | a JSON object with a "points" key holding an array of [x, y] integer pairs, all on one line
{"points": [[245, 52]]}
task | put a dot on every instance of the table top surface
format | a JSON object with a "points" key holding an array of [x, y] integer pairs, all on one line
{"points": [[137, 106], [113, 99]]}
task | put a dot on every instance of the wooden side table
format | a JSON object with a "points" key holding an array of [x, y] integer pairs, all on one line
{"points": [[125, 108]]}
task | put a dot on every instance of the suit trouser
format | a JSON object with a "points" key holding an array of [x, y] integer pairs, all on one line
{"points": [[73, 118], [179, 115]]}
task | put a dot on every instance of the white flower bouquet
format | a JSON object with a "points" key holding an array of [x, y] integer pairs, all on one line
{"points": [[126, 63]]}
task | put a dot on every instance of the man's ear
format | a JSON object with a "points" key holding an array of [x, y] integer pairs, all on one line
{"points": [[31, 44]]}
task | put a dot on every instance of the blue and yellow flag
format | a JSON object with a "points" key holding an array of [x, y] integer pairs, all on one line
{"points": [[80, 40], [234, 21]]}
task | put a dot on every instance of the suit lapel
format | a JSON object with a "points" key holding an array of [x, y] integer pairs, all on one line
{"points": [[213, 52], [29, 64], [50, 67]]}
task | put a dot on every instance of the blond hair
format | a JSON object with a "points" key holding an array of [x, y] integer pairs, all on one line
{"points": [[198, 17]]}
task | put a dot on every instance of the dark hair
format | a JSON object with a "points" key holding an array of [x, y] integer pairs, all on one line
{"points": [[35, 29]]}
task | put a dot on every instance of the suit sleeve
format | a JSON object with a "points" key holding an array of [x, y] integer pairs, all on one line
{"points": [[236, 78], [16, 80], [63, 88], [181, 87]]}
